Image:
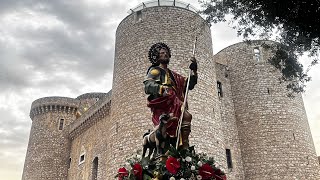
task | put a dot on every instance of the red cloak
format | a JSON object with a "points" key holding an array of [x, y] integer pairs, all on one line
{"points": [[169, 104]]}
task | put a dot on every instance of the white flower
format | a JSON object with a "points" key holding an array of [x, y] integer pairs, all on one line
{"points": [[188, 159], [193, 168], [199, 177], [199, 163], [182, 179], [172, 178]]}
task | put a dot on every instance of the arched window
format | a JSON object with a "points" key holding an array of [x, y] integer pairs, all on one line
{"points": [[95, 168]]}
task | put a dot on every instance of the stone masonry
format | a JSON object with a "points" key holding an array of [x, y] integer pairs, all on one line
{"points": [[251, 117]]}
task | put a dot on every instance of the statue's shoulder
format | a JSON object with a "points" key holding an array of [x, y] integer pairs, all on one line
{"points": [[154, 72]]}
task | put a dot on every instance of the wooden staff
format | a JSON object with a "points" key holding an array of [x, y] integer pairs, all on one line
{"points": [[185, 97]]}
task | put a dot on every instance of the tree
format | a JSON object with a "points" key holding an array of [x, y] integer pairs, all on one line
{"points": [[296, 21]]}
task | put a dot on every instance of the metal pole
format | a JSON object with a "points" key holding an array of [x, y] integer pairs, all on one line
{"points": [[185, 98]]}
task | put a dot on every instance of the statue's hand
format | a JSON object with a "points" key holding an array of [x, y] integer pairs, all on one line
{"points": [[194, 65], [167, 91]]}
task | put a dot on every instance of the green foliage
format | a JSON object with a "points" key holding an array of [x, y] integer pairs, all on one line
{"points": [[296, 21]]}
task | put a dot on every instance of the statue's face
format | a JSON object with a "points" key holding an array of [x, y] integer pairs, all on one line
{"points": [[164, 56]]}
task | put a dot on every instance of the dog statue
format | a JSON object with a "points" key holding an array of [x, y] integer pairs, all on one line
{"points": [[157, 138]]}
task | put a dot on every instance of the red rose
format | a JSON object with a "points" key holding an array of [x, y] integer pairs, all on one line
{"points": [[122, 172], [137, 171], [173, 165], [206, 171]]}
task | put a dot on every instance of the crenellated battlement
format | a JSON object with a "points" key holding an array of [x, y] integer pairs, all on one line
{"points": [[54, 104]]}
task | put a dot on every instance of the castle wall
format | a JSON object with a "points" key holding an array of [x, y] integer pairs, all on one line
{"points": [[177, 28], [48, 149], [274, 134], [92, 143], [229, 127]]}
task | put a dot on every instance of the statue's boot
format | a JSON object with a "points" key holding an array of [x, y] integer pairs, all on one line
{"points": [[185, 132]]}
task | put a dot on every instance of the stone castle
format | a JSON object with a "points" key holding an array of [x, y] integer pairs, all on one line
{"points": [[241, 114]]}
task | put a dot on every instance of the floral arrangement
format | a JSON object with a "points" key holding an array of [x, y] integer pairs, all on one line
{"points": [[175, 164]]}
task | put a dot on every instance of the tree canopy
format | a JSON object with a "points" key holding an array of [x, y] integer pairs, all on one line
{"points": [[296, 23]]}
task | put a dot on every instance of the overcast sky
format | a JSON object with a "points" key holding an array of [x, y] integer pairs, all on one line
{"points": [[66, 48]]}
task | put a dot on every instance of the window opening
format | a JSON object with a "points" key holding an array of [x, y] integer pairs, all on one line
{"points": [[82, 158], [95, 169], [219, 86], [69, 163], [257, 54], [138, 16], [61, 123], [229, 159], [117, 127]]}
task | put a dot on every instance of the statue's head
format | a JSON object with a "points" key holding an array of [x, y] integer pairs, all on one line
{"points": [[159, 53]]}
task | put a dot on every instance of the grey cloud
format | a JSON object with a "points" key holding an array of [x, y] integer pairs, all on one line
{"points": [[13, 131], [12, 70], [7, 6], [50, 50], [78, 14], [59, 48]]}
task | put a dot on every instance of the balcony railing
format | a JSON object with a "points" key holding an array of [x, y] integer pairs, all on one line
{"points": [[163, 3]]}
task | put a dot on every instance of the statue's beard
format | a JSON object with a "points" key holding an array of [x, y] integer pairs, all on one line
{"points": [[164, 61]]}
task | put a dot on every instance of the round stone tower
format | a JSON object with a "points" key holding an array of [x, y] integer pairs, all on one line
{"points": [[49, 145], [177, 26], [274, 134]]}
